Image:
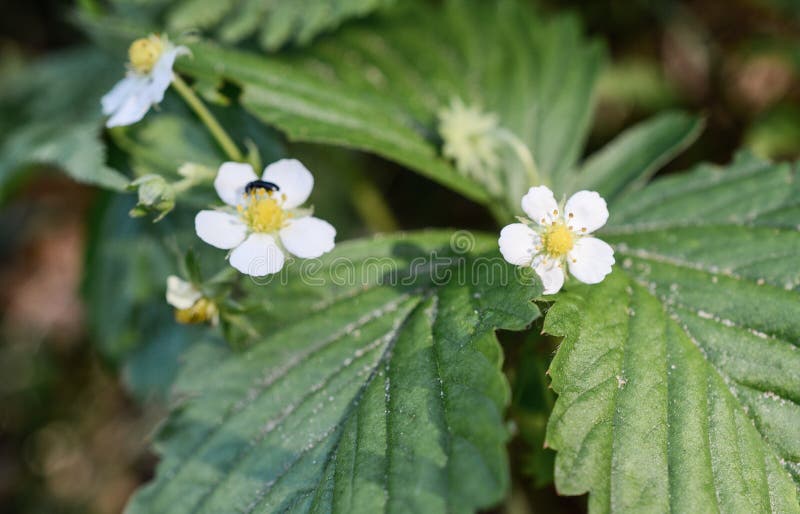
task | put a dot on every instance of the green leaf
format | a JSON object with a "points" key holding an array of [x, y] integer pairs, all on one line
{"points": [[531, 406], [128, 318], [274, 23], [164, 142], [63, 129], [379, 87], [634, 156], [679, 375], [129, 259], [378, 388]]}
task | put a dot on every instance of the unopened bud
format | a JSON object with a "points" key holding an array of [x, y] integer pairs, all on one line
{"points": [[156, 196]]}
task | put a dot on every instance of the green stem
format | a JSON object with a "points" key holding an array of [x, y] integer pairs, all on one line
{"points": [[200, 175], [372, 207], [226, 274], [208, 119], [523, 154], [183, 185]]}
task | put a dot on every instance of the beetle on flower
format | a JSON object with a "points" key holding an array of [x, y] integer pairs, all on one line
{"points": [[558, 235], [149, 75], [263, 219]]}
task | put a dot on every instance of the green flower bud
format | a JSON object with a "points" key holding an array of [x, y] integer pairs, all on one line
{"points": [[156, 196]]}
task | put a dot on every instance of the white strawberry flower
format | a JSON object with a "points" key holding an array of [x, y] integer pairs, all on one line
{"points": [[149, 75], [556, 235], [263, 220]]}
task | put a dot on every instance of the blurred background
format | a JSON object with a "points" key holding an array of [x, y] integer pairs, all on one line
{"points": [[75, 422]]}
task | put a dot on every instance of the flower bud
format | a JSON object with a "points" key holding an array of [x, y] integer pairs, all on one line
{"points": [[189, 303], [203, 311], [156, 196]]}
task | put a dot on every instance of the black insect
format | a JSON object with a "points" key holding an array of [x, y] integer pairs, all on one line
{"points": [[261, 184]]}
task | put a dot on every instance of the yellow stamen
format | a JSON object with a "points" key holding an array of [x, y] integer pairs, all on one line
{"points": [[145, 52], [262, 211], [558, 240], [202, 311]]}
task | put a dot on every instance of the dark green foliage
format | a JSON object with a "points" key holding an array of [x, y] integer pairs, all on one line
{"points": [[678, 376], [385, 395]]}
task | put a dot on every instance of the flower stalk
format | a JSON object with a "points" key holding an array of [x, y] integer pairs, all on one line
{"points": [[522, 152], [208, 119]]}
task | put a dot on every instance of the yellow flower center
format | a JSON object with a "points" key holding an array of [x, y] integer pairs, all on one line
{"points": [[558, 240], [144, 53], [202, 311], [262, 212]]}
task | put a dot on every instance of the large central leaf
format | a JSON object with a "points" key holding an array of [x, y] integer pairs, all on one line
{"points": [[679, 377], [385, 394]]}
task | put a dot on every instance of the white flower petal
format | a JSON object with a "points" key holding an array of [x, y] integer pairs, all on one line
{"points": [[295, 181], [131, 98], [220, 229], [132, 109], [114, 99], [161, 74], [518, 243], [231, 179], [588, 211], [540, 205], [259, 255], [180, 293], [308, 237], [590, 260], [551, 273]]}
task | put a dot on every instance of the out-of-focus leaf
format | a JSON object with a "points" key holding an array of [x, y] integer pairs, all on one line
{"points": [[636, 84], [634, 156], [273, 23], [378, 87], [531, 406], [380, 391], [127, 314], [776, 135], [50, 115], [164, 143]]}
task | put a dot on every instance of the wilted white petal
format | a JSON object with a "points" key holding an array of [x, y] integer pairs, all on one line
{"points": [[114, 99], [590, 260], [132, 109], [161, 74], [259, 255], [220, 229], [131, 98], [180, 293], [585, 212], [551, 273], [540, 205], [294, 180], [308, 237], [231, 179], [518, 243]]}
